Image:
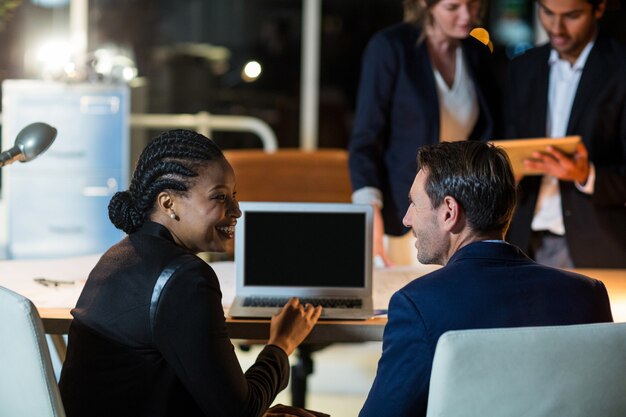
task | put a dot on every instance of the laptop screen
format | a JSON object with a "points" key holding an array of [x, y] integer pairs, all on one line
{"points": [[303, 245]]}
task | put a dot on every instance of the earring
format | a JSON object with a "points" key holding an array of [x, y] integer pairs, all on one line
{"points": [[173, 216]]}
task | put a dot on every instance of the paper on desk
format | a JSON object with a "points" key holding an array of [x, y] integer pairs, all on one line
{"points": [[19, 275]]}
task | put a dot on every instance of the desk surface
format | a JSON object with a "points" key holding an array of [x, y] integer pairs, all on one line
{"points": [[54, 303], [57, 321]]}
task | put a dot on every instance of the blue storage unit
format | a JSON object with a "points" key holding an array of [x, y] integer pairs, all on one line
{"points": [[57, 203]]}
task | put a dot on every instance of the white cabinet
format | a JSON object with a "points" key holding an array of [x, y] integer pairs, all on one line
{"points": [[56, 205]]}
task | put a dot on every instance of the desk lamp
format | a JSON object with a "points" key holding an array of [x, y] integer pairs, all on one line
{"points": [[33, 140]]}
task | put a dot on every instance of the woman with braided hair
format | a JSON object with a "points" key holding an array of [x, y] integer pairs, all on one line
{"points": [[148, 336]]}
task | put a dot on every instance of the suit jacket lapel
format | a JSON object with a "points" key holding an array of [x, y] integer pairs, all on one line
{"points": [[538, 90], [591, 77], [421, 71]]}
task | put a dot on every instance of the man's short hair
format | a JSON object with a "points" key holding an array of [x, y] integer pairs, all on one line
{"points": [[477, 175], [594, 3]]}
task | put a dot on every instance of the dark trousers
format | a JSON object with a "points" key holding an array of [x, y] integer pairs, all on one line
{"points": [[550, 249]]}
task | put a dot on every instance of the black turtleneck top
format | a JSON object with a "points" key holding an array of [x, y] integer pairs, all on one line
{"points": [[141, 346]]}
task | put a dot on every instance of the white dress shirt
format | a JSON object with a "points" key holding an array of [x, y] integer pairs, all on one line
{"points": [[563, 84]]}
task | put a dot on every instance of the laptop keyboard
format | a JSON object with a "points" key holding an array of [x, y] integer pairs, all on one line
{"points": [[281, 301]]}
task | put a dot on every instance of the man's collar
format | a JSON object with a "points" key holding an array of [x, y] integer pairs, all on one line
{"points": [[580, 61], [491, 249]]}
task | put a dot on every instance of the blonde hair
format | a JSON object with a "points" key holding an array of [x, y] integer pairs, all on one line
{"points": [[416, 11]]}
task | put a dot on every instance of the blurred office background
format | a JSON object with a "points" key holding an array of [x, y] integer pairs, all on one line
{"points": [[190, 54]]}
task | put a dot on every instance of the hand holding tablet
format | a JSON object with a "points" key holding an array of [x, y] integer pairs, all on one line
{"points": [[529, 155]]}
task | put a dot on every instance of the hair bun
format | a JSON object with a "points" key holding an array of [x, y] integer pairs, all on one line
{"points": [[123, 214]]}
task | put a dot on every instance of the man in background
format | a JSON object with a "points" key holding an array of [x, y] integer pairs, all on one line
{"points": [[575, 214], [461, 203]]}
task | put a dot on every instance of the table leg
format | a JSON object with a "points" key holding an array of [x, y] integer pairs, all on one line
{"points": [[59, 346], [299, 374]]}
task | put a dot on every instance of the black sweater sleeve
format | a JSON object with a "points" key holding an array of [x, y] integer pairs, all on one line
{"points": [[190, 331]]}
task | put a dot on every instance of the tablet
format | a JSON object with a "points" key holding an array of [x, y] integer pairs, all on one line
{"points": [[520, 149]]}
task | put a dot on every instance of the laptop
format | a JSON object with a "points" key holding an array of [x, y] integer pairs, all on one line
{"points": [[319, 252]]}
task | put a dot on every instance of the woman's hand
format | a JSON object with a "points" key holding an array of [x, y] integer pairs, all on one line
{"points": [[294, 322]]}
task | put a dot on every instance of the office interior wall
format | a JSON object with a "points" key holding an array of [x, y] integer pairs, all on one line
{"points": [[56, 204]]}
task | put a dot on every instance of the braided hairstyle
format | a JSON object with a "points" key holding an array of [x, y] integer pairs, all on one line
{"points": [[169, 162]]}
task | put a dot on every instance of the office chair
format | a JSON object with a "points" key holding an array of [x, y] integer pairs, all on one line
{"points": [[291, 175], [27, 383], [572, 371]]}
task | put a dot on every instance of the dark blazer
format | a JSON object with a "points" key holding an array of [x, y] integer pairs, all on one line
{"points": [[398, 111], [484, 285], [133, 352], [595, 225]]}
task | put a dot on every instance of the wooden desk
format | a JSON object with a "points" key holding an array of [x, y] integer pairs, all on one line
{"points": [[54, 304], [56, 321], [324, 332]]}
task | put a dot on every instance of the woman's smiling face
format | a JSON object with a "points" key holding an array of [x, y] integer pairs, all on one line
{"points": [[205, 217]]}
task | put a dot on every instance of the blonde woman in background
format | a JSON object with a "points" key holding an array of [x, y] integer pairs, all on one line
{"points": [[423, 81]]}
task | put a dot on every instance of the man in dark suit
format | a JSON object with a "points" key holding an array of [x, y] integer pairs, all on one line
{"points": [[575, 214], [461, 204]]}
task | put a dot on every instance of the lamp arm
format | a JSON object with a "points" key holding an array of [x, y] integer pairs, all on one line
{"points": [[10, 156]]}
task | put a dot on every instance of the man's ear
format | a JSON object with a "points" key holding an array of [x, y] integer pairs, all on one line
{"points": [[452, 214]]}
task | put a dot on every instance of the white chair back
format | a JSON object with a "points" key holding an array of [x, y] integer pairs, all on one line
{"points": [[572, 371], [28, 386]]}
